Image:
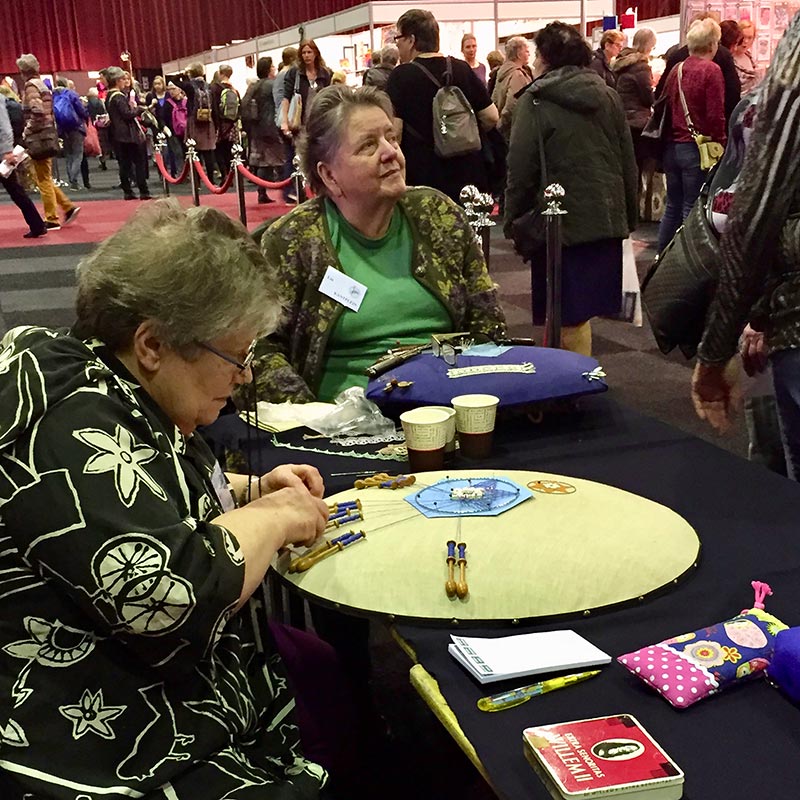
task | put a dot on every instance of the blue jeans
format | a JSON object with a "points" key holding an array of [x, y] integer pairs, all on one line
{"points": [[786, 378], [73, 153], [684, 182]]}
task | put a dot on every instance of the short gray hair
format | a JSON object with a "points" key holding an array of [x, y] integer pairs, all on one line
{"points": [[61, 81], [225, 69], [390, 55], [702, 35], [195, 272], [326, 121], [28, 64], [514, 47]]}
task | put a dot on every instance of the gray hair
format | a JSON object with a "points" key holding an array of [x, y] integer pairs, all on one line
{"points": [[225, 69], [643, 40], [514, 47], [196, 70], [28, 64], [702, 35], [195, 272], [60, 81], [326, 121], [390, 55]]}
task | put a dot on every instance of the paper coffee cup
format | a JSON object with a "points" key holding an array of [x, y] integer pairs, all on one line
{"points": [[450, 441], [475, 418], [426, 434]]}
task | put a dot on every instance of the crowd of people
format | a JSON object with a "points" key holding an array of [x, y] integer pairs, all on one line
{"points": [[138, 564]]}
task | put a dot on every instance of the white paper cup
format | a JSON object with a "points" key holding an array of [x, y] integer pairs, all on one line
{"points": [[475, 418], [425, 429], [450, 441]]}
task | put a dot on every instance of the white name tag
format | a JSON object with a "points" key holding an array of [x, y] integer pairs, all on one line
{"points": [[338, 286]]}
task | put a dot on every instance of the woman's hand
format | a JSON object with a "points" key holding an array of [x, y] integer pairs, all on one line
{"points": [[285, 129], [298, 516], [291, 475], [753, 350], [715, 394]]}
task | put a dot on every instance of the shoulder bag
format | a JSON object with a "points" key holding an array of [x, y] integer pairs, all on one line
{"points": [[529, 231], [710, 151], [678, 289], [296, 106]]}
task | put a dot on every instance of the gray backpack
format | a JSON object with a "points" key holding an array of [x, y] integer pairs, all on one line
{"points": [[455, 126]]}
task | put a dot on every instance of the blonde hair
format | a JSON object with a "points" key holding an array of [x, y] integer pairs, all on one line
{"points": [[643, 40], [703, 34], [611, 37]]}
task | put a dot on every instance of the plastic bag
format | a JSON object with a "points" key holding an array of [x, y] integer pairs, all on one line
{"points": [[353, 415]]}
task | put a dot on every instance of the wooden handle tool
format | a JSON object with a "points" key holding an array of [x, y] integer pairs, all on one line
{"points": [[450, 583], [462, 590]]}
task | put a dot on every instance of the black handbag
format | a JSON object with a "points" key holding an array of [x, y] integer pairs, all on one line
{"points": [[678, 289], [529, 230]]}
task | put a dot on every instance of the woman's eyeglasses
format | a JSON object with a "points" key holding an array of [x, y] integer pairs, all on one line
{"points": [[240, 365]]}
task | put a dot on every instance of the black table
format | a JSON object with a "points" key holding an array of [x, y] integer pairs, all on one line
{"points": [[740, 744]]}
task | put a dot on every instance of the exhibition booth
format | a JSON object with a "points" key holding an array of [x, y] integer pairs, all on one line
{"points": [[347, 38]]}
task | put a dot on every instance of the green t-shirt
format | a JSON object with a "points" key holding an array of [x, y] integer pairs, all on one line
{"points": [[395, 308]]}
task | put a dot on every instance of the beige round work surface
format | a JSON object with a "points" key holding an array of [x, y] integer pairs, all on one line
{"points": [[575, 546]]}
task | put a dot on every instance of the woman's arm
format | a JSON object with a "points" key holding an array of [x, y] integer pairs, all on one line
{"points": [[524, 169]]}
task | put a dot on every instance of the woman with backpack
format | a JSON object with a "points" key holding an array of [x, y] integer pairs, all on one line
{"points": [[267, 153], [200, 121], [177, 112]]}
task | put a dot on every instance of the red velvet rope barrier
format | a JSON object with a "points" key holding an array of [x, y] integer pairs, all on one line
{"points": [[260, 181], [165, 175], [210, 186]]}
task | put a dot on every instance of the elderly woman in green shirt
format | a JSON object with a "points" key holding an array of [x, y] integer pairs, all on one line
{"points": [[408, 254]]}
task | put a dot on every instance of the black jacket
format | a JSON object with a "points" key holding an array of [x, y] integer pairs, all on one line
{"points": [[724, 60], [635, 86], [124, 128], [601, 66]]}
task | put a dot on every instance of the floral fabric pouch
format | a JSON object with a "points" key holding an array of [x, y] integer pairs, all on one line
{"points": [[689, 667]]}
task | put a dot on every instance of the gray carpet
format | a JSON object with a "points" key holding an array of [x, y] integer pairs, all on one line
{"points": [[37, 287]]}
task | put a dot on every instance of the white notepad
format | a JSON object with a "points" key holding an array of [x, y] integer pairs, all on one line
{"points": [[491, 660]]}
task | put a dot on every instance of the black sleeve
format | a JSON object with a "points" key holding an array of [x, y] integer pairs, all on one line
{"points": [[733, 86], [288, 83], [187, 87], [673, 58], [394, 88], [474, 88]]}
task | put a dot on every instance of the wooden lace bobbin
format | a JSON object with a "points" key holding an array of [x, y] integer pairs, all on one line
{"points": [[462, 590], [450, 583]]}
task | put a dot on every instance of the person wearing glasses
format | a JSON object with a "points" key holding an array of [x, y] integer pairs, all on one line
{"points": [[404, 259], [131, 568]]}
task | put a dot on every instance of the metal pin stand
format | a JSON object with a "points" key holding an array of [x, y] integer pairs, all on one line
{"points": [[160, 144], [553, 195], [297, 177], [478, 208], [236, 160], [193, 158]]}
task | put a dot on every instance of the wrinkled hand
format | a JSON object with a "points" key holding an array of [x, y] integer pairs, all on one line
{"points": [[9, 158], [753, 350], [295, 512], [292, 475], [715, 394]]}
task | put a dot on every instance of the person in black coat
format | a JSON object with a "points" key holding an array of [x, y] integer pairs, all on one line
{"points": [[610, 45], [723, 59], [127, 135]]}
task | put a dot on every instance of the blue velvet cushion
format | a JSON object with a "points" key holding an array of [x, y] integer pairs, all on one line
{"points": [[559, 374], [784, 670]]}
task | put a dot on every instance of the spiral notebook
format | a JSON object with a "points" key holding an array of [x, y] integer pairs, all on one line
{"points": [[489, 660]]}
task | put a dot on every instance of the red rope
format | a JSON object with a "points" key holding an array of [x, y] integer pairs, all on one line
{"points": [[165, 175], [260, 181], [210, 186]]}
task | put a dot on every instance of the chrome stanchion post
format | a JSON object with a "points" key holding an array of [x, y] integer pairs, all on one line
{"points": [[297, 177], [193, 158], [478, 208], [553, 196], [238, 179], [161, 142]]}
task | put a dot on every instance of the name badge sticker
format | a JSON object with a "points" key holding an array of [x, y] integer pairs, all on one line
{"points": [[343, 289]]}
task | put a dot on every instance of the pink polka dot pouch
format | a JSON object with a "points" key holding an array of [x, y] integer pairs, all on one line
{"points": [[689, 667]]}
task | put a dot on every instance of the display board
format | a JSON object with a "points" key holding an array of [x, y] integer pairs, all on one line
{"points": [[770, 19]]}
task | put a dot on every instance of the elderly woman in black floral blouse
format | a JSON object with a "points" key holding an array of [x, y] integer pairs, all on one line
{"points": [[135, 655]]}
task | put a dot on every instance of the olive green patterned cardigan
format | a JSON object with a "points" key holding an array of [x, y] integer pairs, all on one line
{"points": [[446, 259]]}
